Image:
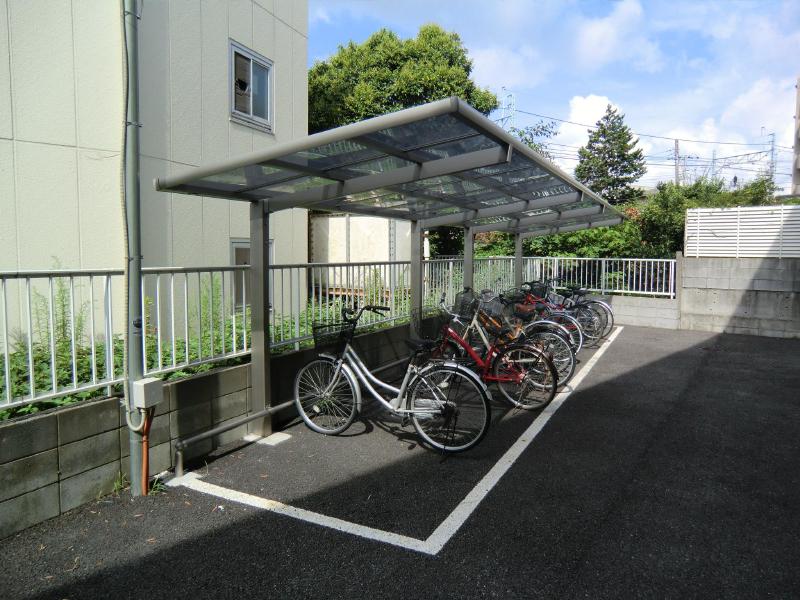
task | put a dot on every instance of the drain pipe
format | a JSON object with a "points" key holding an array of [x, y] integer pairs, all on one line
{"points": [[134, 364]]}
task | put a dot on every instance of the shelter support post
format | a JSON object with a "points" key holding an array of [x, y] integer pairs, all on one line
{"points": [[260, 397], [469, 264], [517, 261], [416, 267]]}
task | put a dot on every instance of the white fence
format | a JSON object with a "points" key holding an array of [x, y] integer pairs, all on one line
{"points": [[747, 231], [61, 330]]}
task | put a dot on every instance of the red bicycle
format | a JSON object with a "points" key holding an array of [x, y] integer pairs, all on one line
{"points": [[523, 373]]}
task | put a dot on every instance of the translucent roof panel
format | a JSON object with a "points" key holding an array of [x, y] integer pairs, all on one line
{"points": [[442, 163]]}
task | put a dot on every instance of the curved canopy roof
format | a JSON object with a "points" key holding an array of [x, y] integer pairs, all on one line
{"points": [[442, 163]]}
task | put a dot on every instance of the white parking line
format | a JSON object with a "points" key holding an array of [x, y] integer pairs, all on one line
{"points": [[444, 532]]}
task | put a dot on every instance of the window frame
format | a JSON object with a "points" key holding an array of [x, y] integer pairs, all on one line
{"points": [[237, 243], [268, 124]]}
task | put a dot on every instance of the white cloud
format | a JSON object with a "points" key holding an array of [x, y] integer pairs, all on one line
{"points": [[319, 14], [618, 37], [516, 68], [582, 109]]}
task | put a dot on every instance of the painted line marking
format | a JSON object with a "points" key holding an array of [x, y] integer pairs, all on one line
{"points": [[448, 528]]}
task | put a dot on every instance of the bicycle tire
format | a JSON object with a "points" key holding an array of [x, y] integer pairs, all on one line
{"points": [[326, 405], [440, 396], [590, 323], [538, 383], [560, 353], [605, 309], [573, 328]]}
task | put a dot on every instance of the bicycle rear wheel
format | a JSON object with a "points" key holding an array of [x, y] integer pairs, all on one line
{"points": [[558, 350], [325, 399], [449, 408], [528, 378], [590, 322], [606, 313]]}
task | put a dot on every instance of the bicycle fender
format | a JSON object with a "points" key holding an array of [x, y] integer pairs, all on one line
{"points": [[468, 372]]}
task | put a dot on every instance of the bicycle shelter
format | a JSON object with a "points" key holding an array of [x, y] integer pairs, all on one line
{"points": [[437, 164]]}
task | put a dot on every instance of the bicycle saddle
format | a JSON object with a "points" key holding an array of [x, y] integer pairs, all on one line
{"points": [[528, 311]]}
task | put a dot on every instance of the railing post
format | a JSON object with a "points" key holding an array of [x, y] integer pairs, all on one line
{"points": [[602, 276]]}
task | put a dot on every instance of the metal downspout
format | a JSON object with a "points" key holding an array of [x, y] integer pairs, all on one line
{"points": [[134, 364]]}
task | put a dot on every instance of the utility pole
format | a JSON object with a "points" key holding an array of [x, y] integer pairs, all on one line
{"points": [[677, 159], [713, 164], [796, 156], [772, 157]]}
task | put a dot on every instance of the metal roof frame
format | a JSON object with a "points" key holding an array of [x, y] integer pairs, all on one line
{"points": [[478, 188]]}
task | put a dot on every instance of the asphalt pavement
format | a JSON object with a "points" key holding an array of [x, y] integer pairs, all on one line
{"points": [[670, 471]]}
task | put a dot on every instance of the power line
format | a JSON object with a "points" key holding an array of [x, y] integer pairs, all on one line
{"points": [[647, 135]]}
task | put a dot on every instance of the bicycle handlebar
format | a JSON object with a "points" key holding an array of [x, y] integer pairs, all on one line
{"points": [[347, 312]]}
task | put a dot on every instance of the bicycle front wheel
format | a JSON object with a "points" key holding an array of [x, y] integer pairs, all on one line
{"points": [[449, 408], [325, 398], [525, 376]]}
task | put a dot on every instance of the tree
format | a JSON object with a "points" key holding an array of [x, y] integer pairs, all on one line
{"points": [[385, 74], [610, 162], [537, 136]]}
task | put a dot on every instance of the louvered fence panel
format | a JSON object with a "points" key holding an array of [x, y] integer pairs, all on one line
{"points": [[752, 231]]}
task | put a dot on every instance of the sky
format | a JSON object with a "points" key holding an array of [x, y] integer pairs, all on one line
{"points": [[715, 71]]}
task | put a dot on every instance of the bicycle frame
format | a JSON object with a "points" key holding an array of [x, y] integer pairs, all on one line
{"points": [[484, 364], [352, 361]]}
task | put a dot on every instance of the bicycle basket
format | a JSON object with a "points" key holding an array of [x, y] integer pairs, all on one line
{"points": [[333, 336], [466, 303], [513, 295], [538, 289], [427, 322], [497, 308]]}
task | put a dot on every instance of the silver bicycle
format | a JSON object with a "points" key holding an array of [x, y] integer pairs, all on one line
{"points": [[447, 403]]}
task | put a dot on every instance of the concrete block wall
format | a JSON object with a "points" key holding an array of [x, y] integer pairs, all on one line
{"points": [[57, 460], [646, 312], [756, 296]]}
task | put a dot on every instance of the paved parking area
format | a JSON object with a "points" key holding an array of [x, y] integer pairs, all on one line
{"points": [[670, 471]]}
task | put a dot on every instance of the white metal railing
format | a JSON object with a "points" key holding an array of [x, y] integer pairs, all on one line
{"points": [[743, 231], [636, 276], [61, 331], [48, 348]]}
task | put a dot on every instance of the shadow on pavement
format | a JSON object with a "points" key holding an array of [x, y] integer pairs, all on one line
{"points": [[672, 471]]}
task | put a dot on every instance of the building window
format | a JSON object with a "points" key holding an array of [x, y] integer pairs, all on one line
{"points": [[240, 255], [251, 88]]}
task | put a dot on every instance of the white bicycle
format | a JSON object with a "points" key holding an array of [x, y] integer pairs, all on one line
{"points": [[447, 403]]}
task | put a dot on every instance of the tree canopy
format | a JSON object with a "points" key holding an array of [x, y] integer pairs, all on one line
{"points": [[610, 162], [386, 73]]}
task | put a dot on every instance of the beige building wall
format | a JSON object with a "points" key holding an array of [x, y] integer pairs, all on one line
{"points": [[61, 116], [61, 127], [185, 111], [61, 132], [368, 239]]}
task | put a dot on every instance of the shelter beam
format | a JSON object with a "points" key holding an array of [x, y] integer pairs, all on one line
{"points": [[572, 227], [469, 259], [519, 225], [366, 183], [517, 261], [465, 218], [416, 267], [260, 395]]}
